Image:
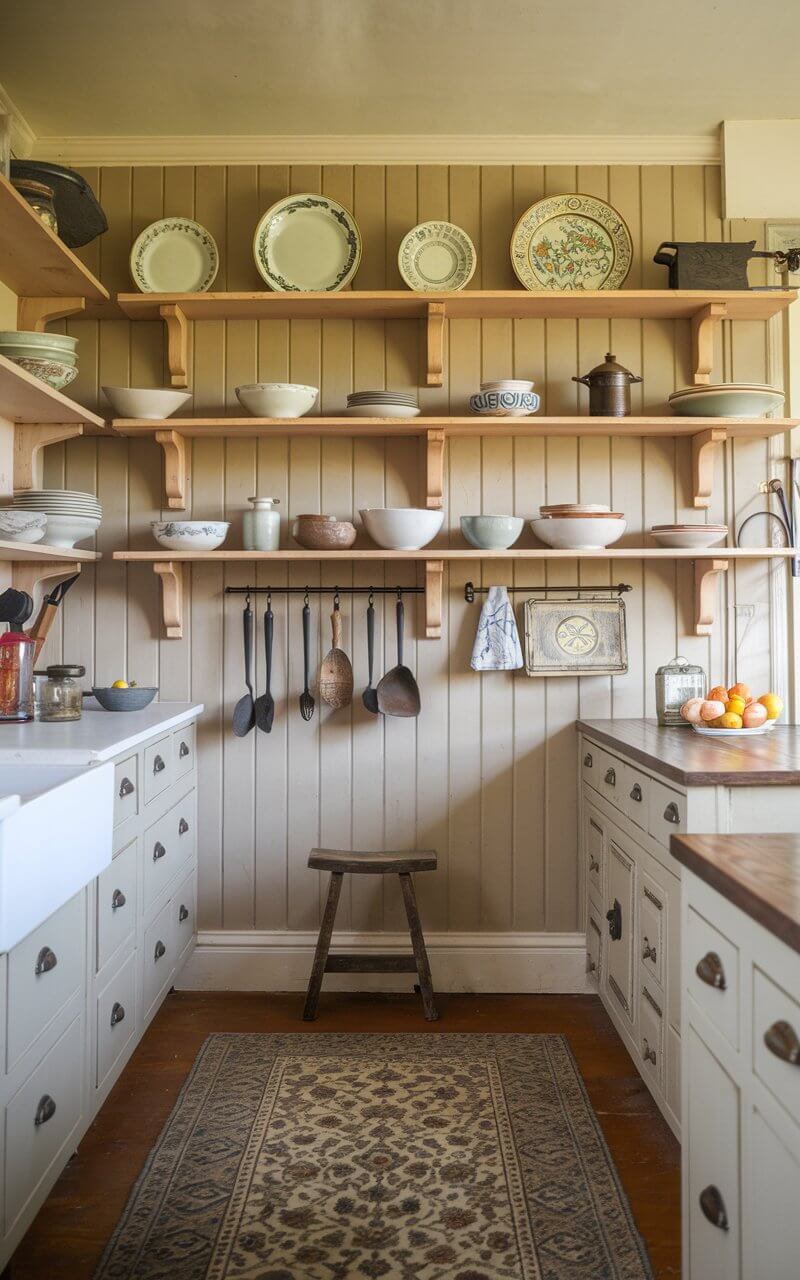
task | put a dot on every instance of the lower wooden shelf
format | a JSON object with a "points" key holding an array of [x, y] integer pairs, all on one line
{"points": [[35, 562]]}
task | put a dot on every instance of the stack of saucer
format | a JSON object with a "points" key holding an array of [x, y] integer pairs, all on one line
{"points": [[72, 516], [382, 404]]}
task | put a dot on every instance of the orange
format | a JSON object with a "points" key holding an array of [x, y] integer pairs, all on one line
{"points": [[728, 721], [773, 703], [718, 694], [739, 691], [735, 705]]}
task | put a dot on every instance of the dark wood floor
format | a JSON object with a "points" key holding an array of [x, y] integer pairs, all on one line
{"points": [[72, 1228]]}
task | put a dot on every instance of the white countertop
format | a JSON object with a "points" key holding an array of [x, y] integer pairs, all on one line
{"points": [[99, 735]]}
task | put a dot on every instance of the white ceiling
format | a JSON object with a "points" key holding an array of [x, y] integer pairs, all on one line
{"points": [[217, 67]]}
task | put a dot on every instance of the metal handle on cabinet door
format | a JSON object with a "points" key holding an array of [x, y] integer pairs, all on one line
{"points": [[160, 950], [45, 961], [183, 827], [118, 900], [158, 851], [713, 1207], [672, 814], [587, 760], [158, 765], [117, 1013], [594, 865], [782, 1040], [611, 777], [45, 1110], [183, 751], [710, 971], [183, 914], [648, 952], [614, 918], [636, 793], [648, 1054], [126, 788]]}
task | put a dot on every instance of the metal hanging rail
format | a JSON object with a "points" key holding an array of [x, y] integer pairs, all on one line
{"points": [[471, 591], [325, 591]]}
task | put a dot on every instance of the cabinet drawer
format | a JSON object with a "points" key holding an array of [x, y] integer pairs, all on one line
{"points": [[594, 944], [183, 915], [712, 975], [594, 839], [651, 1037], [666, 812], [620, 889], [776, 1041], [168, 843], [184, 749], [126, 790], [610, 781], [40, 1119], [158, 958], [116, 903], [635, 795], [711, 1152], [45, 971], [158, 767], [651, 929], [116, 1017]]}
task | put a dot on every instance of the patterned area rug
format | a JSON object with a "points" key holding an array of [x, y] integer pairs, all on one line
{"points": [[357, 1157]]}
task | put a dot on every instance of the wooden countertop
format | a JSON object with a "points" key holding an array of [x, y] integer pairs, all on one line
{"points": [[758, 874], [770, 759]]}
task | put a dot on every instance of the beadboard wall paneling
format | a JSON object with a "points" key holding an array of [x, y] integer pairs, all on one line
{"points": [[487, 775]]}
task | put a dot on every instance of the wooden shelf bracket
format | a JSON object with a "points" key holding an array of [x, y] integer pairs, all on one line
{"points": [[34, 314], [177, 343], [435, 468], [436, 318], [175, 486], [29, 440], [704, 323], [434, 574], [171, 574], [706, 573], [28, 574], [703, 449]]}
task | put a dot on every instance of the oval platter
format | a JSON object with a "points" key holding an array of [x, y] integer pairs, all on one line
{"points": [[174, 255], [734, 733], [571, 242], [436, 255], [307, 243]]}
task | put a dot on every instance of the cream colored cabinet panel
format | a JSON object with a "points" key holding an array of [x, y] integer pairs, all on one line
{"points": [[168, 844], [45, 971], [594, 944], [116, 903], [593, 845], [772, 1205], [183, 916], [184, 749], [116, 1018], [620, 936], [158, 958], [712, 975], [666, 810], [651, 1037], [158, 767], [651, 929], [672, 1068], [776, 1043], [126, 790], [712, 1152]]}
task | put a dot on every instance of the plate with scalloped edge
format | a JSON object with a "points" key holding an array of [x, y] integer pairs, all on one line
{"points": [[174, 255], [734, 733]]}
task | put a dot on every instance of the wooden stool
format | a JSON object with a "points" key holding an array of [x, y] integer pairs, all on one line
{"points": [[401, 864]]}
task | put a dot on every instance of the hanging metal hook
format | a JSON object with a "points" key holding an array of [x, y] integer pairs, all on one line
{"points": [[269, 597], [247, 599], [305, 601], [399, 593], [371, 600], [336, 598]]}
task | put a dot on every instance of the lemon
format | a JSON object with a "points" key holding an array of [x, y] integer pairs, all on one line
{"points": [[730, 721], [773, 703], [120, 684], [735, 705]]}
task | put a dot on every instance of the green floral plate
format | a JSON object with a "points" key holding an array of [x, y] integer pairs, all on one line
{"points": [[571, 242], [174, 255], [307, 243]]}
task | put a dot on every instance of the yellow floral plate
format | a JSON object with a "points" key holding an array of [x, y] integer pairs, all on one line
{"points": [[571, 242]]}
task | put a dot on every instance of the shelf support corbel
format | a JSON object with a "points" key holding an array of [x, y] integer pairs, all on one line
{"points": [[177, 343], [706, 573], [174, 446], [704, 323], [434, 573], [703, 447], [435, 468], [34, 314], [29, 440], [29, 574], [436, 318], [171, 574]]}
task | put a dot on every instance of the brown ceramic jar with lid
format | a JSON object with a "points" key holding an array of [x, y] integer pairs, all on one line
{"points": [[609, 386]]}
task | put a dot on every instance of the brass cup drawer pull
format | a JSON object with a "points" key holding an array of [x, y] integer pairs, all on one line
{"points": [[118, 900], [183, 827], [158, 765], [648, 1054], [636, 793], [117, 1013], [587, 760], [45, 961], [614, 918], [158, 851], [710, 971], [713, 1207], [611, 777], [183, 913], [782, 1040], [126, 788], [160, 950], [672, 814], [183, 751], [648, 951], [45, 1110]]}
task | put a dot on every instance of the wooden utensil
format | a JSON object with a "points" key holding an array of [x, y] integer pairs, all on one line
{"points": [[244, 713], [336, 673], [306, 700], [370, 696], [265, 704], [47, 614], [398, 691]]}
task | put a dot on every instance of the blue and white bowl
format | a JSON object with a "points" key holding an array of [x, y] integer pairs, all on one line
{"points": [[504, 404], [190, 535]]}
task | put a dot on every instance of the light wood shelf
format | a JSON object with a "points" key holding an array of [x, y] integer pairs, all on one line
{"points": [[703, 309], [24, 398], [41, 552]]}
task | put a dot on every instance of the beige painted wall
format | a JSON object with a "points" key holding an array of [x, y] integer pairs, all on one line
{"points": [[487, 775]]}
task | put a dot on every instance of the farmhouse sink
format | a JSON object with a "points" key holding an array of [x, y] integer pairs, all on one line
{"points": [[55, 836]]}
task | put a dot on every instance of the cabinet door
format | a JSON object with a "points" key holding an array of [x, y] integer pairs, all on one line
{"points": [[772, 1223], [594, 944], [711, 1158], [593, 843], [620, 925]]}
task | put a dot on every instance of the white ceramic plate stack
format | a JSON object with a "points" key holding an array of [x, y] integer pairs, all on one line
{"points": [[694, 536], [578, 526], [72, 516], [382, 404]]}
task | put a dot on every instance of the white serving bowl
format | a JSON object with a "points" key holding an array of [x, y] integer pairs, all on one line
{"points": [[401, 528], [145, 402], [22, 526], [66, 530], [277, 399], [492, 533], [697, 537], [577, 534], [190, 535]]}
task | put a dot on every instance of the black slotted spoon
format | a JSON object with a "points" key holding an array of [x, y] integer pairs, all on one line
{"points": [[265, 703], [244, 713]]}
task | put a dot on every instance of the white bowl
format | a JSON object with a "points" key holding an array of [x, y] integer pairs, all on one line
{"points": [[190, 535], [504, 404], [401, 528], [492, 533], [577, 534], [66, 530], [699, 537], [277, 399], [145, 402], [22, 526]]}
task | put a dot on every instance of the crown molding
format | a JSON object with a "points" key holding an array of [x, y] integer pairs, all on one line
{"points": [[23, 138], [486, 149]]}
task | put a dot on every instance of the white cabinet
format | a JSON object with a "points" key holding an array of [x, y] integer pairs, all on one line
{"points": [[711, 1150], [620, 899]]}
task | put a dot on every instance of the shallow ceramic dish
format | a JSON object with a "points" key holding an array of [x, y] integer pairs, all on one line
{"points": [[58, 374], [696, 536], [571, 242], [578, 534], [67, 530], [22, 526], [504, 404], [726, 400], [382, 409], [436, 255], [145, 402], [508, 384], [401, 528], [492, 533], [734, 733], [322, 533], [574, 509], [277, 399], [307, 243], [61, 342], [174, 255], [190, 535], [130, 699], [20, 353]]}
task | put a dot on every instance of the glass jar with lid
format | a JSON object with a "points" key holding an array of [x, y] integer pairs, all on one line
{"points": [[62, 695], [676, 682]]}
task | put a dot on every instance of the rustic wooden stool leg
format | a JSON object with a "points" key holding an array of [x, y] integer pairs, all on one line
{"points": [[323, 944], [418, 943]]}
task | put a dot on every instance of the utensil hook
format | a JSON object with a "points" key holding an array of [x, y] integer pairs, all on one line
{"points": [[371, 600], [247, 599], [336, 599], [305, 599], [399, 595], [269, 598]]}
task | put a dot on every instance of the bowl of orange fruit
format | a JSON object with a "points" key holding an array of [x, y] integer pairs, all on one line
{"points": [[733, 712]]}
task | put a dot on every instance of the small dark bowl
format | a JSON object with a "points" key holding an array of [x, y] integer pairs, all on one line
{"points": [[124, 699]]}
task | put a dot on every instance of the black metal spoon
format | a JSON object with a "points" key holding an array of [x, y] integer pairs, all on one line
{"points": [[265, 703], [370, 696], [306, 700], [244, 715]]}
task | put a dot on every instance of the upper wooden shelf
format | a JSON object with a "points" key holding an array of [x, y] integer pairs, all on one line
{"points": [[34, 263]]}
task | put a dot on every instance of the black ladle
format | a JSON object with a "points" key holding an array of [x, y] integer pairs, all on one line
{"points": [[265, 704], [306, 700], [370, 696], [244, 713]]}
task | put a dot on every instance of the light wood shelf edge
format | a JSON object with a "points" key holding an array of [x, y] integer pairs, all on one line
{"points": [[26, 399], [35, 262]]}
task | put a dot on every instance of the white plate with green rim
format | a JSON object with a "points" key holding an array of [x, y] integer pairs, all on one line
{"points": [[571, 242], [307, 243], [436, 256], [174, 255]]}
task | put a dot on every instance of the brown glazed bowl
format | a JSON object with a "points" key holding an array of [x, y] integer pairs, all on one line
{"points": [[323, 533]]}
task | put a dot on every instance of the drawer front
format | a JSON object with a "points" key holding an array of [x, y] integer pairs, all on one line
{"points": [[621, 876], [184, 747], [40, 1118], [651, 1037], [651, 929], [116, 1017], [168, 844], [590, 764], [712, 975], [594, 840], [666, 812], [158, 767], [126, 790], [184, 915], [711, 1151], [594, 944], [611, 779], [116, 903], [776, 1041], [636, 796], [158, 957], [45, 971]]}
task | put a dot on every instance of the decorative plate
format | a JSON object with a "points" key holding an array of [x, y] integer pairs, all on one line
{"points": [[575, 637], [307, 243], [436, 255], [175, 255], [571, 242]]}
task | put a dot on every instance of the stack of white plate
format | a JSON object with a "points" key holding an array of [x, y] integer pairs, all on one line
{"points": [[382, 404], [578, 526], [72, 516], [696, 536]]}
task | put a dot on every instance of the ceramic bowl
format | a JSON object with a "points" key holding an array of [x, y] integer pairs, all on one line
{"points": [[145, 402], [22, 526], [577, 534], [366, 409], [66, 530], [29, 338], [508, 384], [401, 528], [134, 699], [323, 533], [56, 373], [492, 533], [504, 404], [695, 536], [728, 400], [277, 399], [190, 535]]}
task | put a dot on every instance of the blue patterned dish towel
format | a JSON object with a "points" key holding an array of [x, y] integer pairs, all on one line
{"points": [[497, 646]]}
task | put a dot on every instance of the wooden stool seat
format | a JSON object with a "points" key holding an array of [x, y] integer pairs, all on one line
{"points": [[401, 863]]}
